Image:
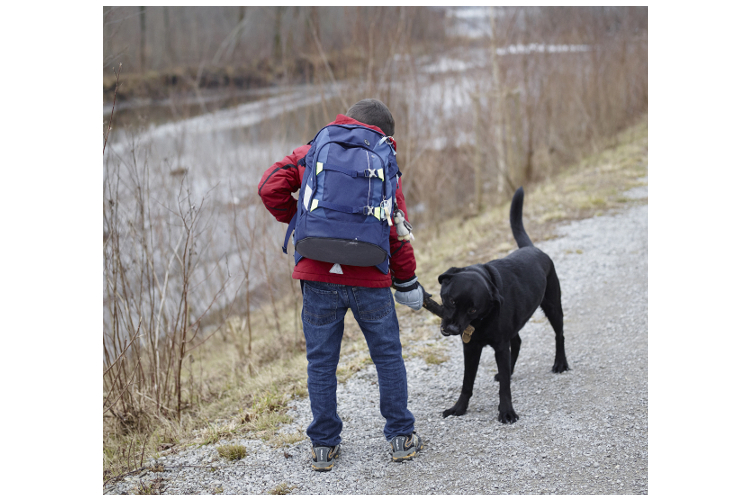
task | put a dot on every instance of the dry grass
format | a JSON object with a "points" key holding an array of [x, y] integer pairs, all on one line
{"points": [[286, 438], [586, 189], [237, 395], [433, 354], [237, 401], [601, 179]]}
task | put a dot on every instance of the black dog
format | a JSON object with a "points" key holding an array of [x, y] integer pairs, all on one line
{"points": [[497, 299]]}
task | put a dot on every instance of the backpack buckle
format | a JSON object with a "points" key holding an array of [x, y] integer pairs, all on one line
{"points": [[374, 211], [374, 172], [385, 210]]}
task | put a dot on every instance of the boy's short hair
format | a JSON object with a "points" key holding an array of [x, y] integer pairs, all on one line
{"points": [[373, 112]]}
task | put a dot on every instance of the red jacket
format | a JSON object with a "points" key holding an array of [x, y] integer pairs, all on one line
{"points": [[276, 188]]}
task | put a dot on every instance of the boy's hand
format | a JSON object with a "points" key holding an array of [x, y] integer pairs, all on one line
{"points": [[409, 293]]}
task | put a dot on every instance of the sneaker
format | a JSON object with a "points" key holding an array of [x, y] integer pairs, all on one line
{"points": [[323, 457], [406, 447]]}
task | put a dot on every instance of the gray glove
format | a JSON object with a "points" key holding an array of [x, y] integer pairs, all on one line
{"points": [[409, 293]]}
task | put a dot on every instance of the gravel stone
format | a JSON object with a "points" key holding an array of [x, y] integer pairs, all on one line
{"points": [[584, 431]]}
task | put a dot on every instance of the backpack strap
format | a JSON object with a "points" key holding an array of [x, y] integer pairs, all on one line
{"points": [[389, 140], [366, 210], [292, 225], [374, 172]]}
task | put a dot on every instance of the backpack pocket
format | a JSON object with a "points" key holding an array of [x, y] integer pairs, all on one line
{"points": [[346, 243]]}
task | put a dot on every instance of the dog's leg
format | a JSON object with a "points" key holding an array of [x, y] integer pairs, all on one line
{"points": [[472, 353], [515, 346], [506, 414], [552, 307]]}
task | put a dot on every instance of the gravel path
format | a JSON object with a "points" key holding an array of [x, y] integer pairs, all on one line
{"points": [[581, 432]]}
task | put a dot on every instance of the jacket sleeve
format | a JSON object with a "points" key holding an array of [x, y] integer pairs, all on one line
{"points": [[403, 264], [279, 182]]}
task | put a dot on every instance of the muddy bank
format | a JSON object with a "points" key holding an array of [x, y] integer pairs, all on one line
{"points": [[251, 75]]}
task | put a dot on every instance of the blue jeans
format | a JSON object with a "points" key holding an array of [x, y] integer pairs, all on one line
{"points": [[323, 309]]}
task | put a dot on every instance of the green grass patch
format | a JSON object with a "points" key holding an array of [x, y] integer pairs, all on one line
{"points": [[281, 489], [213, 433], [232, 451], [435, 358], [432, 354]]}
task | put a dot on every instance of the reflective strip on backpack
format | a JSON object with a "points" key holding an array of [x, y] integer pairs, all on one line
{"points": [[319, 168], [306, 196]]}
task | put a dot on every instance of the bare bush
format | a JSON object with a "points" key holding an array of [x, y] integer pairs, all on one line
{"points": [[162, 277]]}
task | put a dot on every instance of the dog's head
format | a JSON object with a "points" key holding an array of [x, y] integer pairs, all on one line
{"points": [[468, 293]]}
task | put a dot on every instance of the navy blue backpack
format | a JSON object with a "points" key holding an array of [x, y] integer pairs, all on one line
{"points": [[347, 198]]}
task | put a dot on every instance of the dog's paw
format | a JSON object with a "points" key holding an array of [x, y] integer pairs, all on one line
{"points": [[507, 416], [560, 366], [454, 410]]}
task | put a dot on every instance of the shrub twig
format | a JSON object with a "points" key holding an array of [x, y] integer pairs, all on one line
{"points": [[109, 127]]}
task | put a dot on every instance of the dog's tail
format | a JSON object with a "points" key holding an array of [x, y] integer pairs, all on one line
{"points": [[516, 222]]}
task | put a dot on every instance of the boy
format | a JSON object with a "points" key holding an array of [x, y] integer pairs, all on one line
{"points": [[330, 290]]}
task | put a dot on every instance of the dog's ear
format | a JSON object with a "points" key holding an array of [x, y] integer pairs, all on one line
{"points": [[495, 294], [448, 274], [495, 284]]}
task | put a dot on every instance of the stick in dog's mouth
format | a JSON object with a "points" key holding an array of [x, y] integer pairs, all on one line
{"points": [[437, 310]]}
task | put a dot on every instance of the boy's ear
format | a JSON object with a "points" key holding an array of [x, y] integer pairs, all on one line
{"points": [[448, 274]]}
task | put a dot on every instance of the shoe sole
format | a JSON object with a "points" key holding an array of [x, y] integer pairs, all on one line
{"points": [[327, 467], [410, 455]]}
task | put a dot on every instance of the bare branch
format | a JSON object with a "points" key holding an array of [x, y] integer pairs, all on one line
{"points": [[328, 66], [126, 348], [109, 127]]}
